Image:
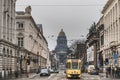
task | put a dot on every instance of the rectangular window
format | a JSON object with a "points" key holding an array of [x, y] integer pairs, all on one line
{"points": [[68, 65], [102, 40], [20, 25], [20, 42]]}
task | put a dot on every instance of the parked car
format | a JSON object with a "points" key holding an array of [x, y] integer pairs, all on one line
{"points": [[94, 71], [38, 71], [56, 71], [45, 72], [91, 70], [51, 70]]}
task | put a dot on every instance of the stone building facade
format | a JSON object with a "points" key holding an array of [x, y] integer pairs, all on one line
{"points": [[111, 19], [8, 50], [33, 46]]}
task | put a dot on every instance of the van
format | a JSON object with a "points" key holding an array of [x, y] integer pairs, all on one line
{"points": [[90, 68]]}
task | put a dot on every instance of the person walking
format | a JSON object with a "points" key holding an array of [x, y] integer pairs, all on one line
{"points": [[106, 72], [109, 71]]}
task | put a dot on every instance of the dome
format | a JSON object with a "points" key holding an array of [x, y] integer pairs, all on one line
{"points": [[61, 33]]}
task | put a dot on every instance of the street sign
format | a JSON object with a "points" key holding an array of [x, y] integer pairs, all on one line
{"points": [[115, 55]]}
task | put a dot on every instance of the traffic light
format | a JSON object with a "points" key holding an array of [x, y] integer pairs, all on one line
{"points": [[28, 61], [106, 61]]}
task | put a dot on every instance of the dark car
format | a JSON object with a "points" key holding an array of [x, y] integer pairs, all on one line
{"points": [[45, 72], [56, 71], [94, 71]]}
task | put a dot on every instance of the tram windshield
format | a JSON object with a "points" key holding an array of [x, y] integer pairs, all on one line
{"points": [[74, 65]]}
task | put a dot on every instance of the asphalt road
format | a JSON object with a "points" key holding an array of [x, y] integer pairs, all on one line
{"points": [[61, 76]]}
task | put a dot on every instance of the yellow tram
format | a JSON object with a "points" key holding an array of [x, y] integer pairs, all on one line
{"points": [[73, 68]]}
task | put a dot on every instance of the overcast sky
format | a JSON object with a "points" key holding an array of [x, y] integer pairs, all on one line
{"points": [[74, 16]]}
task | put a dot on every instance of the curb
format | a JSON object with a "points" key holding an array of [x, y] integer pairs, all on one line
{"points": [[102, 76], [33, 76]]}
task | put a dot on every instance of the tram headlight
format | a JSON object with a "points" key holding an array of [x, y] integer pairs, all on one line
{"points": [[68, 75]]}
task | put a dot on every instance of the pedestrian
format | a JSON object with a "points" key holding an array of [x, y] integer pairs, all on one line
{"points": [[109, 71], [106, 72], [113, 72], [16, 74]]}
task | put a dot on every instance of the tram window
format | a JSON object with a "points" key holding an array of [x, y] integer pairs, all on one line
{"points": [[68, 65], [74, 65], [79, 65]]}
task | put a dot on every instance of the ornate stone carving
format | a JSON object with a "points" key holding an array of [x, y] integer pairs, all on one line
{"points": [[28, 10]]}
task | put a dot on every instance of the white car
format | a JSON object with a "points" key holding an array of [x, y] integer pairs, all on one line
{"points": [[45, 72], [90, 68]]}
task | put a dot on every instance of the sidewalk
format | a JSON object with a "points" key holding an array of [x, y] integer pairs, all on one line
{"points": [[103, 76], [32, 75], [24, 77]]}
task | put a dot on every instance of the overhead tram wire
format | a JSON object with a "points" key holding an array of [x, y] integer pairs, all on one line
{"points": [[86, 5], [67, 5], [55, 38]]}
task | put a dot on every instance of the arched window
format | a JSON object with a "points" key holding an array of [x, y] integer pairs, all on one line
{"points": [[20, 40], [11, 53], [3, 51], [7, 52]]}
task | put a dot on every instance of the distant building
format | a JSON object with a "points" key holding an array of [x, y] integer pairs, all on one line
{"points": [[54, 60], [90, 55], [78, 48], [61, 48]]}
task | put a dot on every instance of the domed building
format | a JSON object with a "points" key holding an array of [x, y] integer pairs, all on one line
{"points": [[61, 48]]}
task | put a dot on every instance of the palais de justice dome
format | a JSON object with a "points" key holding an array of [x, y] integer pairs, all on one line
{"points": [[61, 47]]}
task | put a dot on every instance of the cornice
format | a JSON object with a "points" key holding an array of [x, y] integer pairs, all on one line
{"points": [[107, 5], [2, 41]]}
